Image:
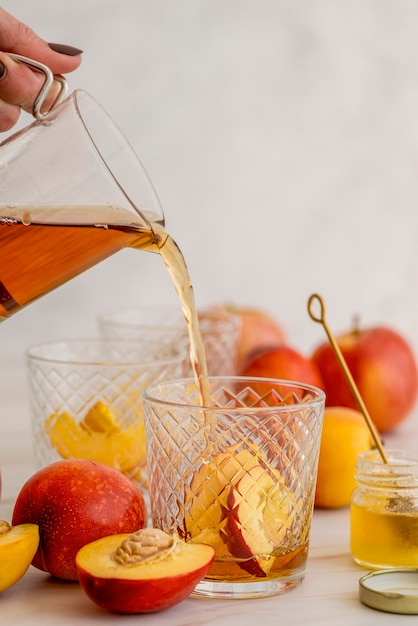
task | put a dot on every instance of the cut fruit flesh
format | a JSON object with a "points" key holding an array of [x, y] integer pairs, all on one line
{"points": [[156, 582], [98, 437], [100, 419], [18, 546], [259, 514], [210, 488], [242, 507], [97, 558]]}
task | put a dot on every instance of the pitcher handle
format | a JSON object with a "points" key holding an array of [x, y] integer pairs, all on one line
{"points": [[48, 82]]}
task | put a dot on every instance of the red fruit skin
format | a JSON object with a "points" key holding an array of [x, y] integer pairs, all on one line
{"points": [[236, 542], [140, 596], [74, 502], [283, 362], [384, 369]]}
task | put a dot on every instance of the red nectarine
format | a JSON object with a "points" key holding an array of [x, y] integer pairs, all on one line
{"points": [[384, 368], [74, 502], [283, 362]]}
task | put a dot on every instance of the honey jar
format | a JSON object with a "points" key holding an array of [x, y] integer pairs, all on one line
{"points": [[384, 510]]}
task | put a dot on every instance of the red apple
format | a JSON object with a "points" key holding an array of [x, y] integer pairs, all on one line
{"points": [[384, 368], [258, 330], [283, 362], [74, 502], [147, 571], [259, 514]]}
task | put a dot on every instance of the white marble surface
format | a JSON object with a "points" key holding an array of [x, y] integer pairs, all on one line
{"points": [[328, 595], [282, 138]]}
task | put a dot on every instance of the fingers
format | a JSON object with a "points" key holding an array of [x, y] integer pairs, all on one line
{"points": [[9, 115], [19, 38], [19, 88], [19, 84]]}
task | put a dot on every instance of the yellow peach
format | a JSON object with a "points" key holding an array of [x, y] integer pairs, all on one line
{"points": [[344, 435]]}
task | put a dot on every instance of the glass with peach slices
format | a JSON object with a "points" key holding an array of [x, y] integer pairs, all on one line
{"points": [[86, 399], [238, 474]]}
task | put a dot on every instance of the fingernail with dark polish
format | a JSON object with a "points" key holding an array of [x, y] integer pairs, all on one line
{"points": [[63, 49], [2, 71]]}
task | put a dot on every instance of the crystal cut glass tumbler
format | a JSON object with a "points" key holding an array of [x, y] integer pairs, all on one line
{"points": [[86, 399], [219, 330], [239, 474]]}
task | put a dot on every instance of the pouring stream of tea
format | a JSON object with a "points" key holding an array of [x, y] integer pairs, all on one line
{"points": [[177, 269], [345, 369]]}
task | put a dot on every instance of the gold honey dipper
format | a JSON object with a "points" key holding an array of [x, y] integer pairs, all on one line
{"points": [[345, 369]]}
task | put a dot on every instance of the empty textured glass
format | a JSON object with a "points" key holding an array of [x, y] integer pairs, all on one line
{"points": [[219, 330]]}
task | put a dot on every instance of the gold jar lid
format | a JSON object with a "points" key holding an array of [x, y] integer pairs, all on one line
{"points": [[392, 590]]}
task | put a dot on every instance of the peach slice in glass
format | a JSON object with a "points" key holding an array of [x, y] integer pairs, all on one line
{"points": [[205, 518], [99, 437], [259, 514]]}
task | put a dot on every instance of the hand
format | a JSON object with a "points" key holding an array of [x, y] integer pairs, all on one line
{"points": [[19, 85]]}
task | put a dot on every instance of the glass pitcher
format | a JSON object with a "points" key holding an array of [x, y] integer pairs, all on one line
{"points": [[72, 193]]}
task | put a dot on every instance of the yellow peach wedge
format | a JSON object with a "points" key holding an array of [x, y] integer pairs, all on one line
{"points": [[18, 545], [259, 513], [100, 419], [205, 517], [242, 507], [99, 437]]}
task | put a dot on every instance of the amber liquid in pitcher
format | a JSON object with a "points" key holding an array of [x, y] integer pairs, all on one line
{"points": [[42, 248]]}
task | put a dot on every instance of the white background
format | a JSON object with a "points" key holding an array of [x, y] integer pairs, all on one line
{"points": [[282, 138]]}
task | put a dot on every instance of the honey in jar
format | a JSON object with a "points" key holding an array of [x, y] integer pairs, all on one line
{"points": [[384, 510]]}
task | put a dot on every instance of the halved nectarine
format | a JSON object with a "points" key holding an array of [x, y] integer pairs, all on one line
{"points": [[147, 571], [18, 545]]}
